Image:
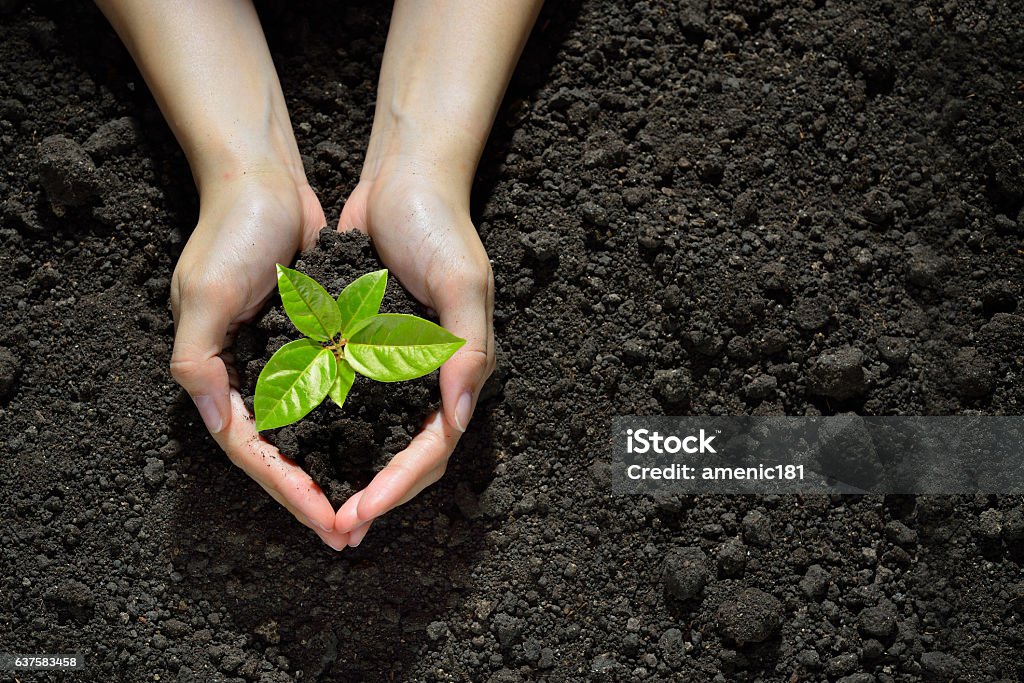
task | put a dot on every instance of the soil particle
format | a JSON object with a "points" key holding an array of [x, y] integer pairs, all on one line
{"points": [[692, 18], [990, 524], [865, 44], [744, 207], [672, 646], [113, 137], [1003, 332], [595, 214], [437, 630], [153, 471], [813, 313], [838, 374], [815, 582], [72, 600], [939, 666], [809, 659], [772, 342], [751, 618], [603, 664], [1013, 524], [878, 621], [331, 152], [66, 172], [840, 665], [12, 110], [761, 388], [732, 557], [507, 628], [1006, 170], [541, 245], [894, 349], [878, 208], [898, 532], [872, 650], [175, 628], [924, 268], [861, 677], [673, 385], [846, 447], [685, 572], [972, 373], [497, 501], [999, 297], [10, 370], [757, 528], [602, 151]]}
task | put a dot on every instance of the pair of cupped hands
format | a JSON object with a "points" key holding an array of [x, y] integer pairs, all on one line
{"points": [[252, 220]]}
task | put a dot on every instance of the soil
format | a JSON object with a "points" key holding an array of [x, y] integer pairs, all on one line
{"points": [[702, 206]]}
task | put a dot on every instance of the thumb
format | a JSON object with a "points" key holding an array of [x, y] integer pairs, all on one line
{"points": [[353, 214], [196, 363], [465, 310]]}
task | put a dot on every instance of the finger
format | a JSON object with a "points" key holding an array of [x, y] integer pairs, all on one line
{"points": [[357, 536], [288, 483], [421, 464], [466, 310], [334, 541], [353, 214], [196, 365], [347, 518]]}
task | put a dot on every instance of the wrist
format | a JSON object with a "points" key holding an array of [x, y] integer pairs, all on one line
{"points": [[423, 142], [222, 155], [269, 186], [224, 167]]}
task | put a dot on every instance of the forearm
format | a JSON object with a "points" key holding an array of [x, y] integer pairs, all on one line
{"points": [[208, 66], [445, 70]]}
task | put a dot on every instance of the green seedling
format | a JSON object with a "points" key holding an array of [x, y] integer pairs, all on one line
{"points": [[344, 336]]}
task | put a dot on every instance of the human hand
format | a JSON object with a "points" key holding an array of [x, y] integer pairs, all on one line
{"points": [[248, 223], [211, 72], [423, 234]]}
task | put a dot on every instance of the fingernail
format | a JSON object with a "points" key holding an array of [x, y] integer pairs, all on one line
{"points": [[357, 536], [437, 419], [322, 527], [463, 411], [212, 418], [328, 541]]}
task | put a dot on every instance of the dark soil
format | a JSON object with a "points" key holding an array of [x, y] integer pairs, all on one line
{"points": [[701, 207]]}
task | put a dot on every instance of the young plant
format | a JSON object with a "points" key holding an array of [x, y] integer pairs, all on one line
{"points": [[344, 336]]}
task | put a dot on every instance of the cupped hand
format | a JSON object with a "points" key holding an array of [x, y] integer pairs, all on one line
{"points": [[423, 234], [247, 224]]}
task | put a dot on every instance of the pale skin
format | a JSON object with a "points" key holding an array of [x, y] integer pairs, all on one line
{"points": [[445, 69]]}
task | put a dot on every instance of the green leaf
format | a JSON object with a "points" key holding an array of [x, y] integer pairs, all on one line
{"points": [[311, 308], [392, 347], [294, 381], [342, 383], [361, 299]]}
